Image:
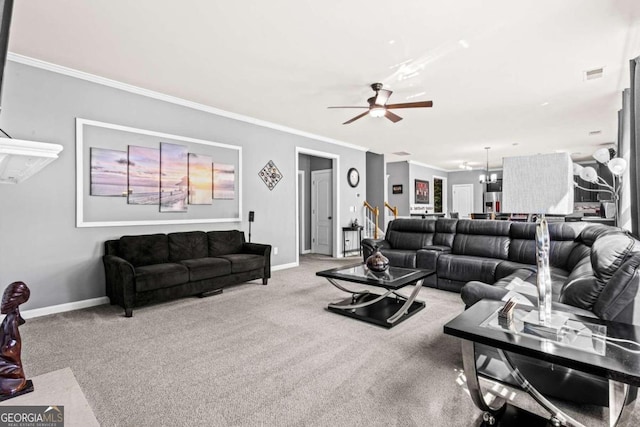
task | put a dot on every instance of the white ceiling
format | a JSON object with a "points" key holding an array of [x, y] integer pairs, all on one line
{"points": [[519, 81]]}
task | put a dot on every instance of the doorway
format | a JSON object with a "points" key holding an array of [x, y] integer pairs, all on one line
{"points": [[326, 229], [462, 199]]}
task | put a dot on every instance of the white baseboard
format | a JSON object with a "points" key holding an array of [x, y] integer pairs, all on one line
{"points": [[61, 308], [306, 251], [284, 266]]}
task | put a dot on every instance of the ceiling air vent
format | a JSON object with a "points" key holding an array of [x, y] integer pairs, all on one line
{"points": [[594, 74], [595, 132], [401, 153]]}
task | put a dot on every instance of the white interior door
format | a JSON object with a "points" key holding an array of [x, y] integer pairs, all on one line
{"points": [[462, 199], [321, 212]]}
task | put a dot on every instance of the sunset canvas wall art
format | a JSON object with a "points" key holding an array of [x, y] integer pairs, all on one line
{"points": [[108, 176], [200, 179], [224, 181], [144, 176], [173, 177]]}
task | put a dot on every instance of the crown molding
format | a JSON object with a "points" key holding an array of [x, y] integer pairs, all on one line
{"points": [[37, 63]]}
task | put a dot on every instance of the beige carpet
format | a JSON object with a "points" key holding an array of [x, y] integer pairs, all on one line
{"points": [[260, 356]]}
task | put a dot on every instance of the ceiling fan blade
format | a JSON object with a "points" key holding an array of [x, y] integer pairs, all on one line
{"points": [[359, 116], [391, 116], [412, 104], [348, 107], [382, 96]]}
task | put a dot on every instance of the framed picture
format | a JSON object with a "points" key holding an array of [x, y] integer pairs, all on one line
{"points": [[396, 188], [422, 192]]}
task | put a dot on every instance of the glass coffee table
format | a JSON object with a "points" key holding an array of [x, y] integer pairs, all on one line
{"points": [[386, 309], [602, 348]]}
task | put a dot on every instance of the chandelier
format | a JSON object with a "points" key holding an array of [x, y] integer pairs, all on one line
{"points": [[488, 178]]}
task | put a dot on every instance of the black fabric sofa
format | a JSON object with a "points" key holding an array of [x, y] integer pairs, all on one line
{"points": [[156, 267], [595, 272]]}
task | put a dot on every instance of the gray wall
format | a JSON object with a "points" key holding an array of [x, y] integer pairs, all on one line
{"points": [[406, 173], [399, 174], [470, 177], [426, 174], [376, 185], [61, 263]]}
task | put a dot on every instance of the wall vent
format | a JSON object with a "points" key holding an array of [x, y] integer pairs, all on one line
{"points": [[594, 74], [401, 153], [595, 132]]}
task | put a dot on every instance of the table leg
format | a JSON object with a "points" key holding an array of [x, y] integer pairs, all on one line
{"points": [[405, 307], [363, 292], [557, 416], [492, 409], [619, 405]]}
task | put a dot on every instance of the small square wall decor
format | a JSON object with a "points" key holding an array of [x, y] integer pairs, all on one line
{"points": [[270, 174]]}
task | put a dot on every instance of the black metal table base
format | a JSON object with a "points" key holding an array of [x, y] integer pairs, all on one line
{"points": [[377, 313]]}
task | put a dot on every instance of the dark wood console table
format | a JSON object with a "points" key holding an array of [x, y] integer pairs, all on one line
{"points": [[358, 247]]}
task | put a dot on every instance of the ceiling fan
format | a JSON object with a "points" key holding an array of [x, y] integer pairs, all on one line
{"points": [[378, 106]]}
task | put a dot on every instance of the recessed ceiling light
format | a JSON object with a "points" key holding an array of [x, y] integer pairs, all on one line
{"points": [[392, 41], [544, 104], [464, 44], [595, 132], [594, 74]]}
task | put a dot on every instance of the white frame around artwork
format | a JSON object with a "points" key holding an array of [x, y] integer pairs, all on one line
{"points": [[80, 187]]}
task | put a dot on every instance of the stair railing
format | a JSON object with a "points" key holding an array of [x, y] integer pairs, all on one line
{"points": [[393, 209], [371, 220]]}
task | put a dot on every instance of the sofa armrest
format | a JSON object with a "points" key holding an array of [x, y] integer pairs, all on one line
{"points": [[370, 245], [262, 250], [427, 257], [120, 280]]}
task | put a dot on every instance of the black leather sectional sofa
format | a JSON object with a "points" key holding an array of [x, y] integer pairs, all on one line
{"points": [[593, 266], [595, 272], [156, 267]]}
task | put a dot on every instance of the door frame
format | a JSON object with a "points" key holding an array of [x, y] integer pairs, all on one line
{"points": [[300, 212], [335, 166], [471, 193]]}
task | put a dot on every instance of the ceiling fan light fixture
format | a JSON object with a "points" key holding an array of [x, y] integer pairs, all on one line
{"points": [[377, 111]]}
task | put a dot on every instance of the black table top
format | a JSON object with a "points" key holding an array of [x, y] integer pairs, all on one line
{"points": [[605, 354], [393, 278]]}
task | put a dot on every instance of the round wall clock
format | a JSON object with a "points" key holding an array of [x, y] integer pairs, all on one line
{"points": [[353, 177]]}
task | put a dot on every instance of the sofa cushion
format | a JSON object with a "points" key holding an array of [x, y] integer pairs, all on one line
{"points": [[506, 268], [482, 239], [189, 245], [145, 249], [244, 262], [400, 258], [463, 268], [158, 276], [225, 242], [562, 251], [207, 268], [618, 299], [445, 232], [609, 252], [410, 233]]}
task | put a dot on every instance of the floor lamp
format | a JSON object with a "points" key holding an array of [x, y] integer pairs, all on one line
{"points": [[616, 165], [540, 184]]}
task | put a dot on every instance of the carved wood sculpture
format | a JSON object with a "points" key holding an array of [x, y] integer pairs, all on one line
{"points": [[12, 378]]}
